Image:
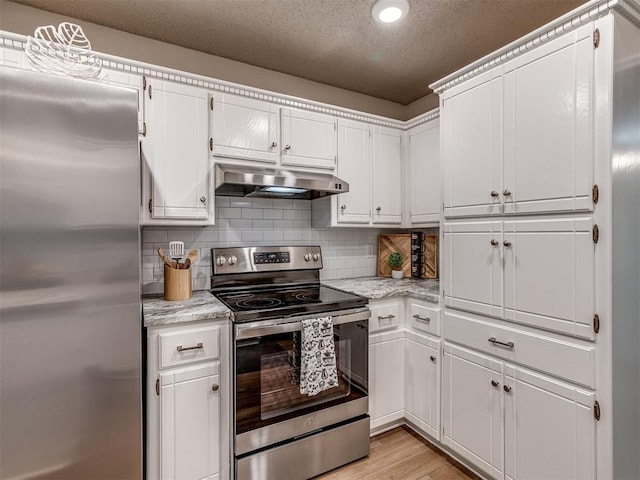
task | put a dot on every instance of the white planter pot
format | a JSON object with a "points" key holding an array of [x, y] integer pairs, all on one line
{"points": [[397, 274]]}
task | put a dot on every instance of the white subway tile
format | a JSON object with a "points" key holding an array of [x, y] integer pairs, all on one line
{"points": [[263, 224], [154, 235], [206, 235], [292, 235], [240, 202], [282, 224], [302, 204], [274, 235], [241, 223], [222, 201], [230, 236], [273, 214], [185, 236], [252, 213], [252, 236], [282, 203], [302, 224], [230, 212]]}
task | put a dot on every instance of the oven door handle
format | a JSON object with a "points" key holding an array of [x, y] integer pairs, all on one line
{"points": [[252, 330]]}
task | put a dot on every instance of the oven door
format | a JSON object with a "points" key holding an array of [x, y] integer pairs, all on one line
{"points": [[268, 405]]}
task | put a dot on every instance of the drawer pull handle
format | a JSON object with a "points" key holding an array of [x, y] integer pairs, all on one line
{"points": [[180, 348], [494, 242], [507, 388], [421, 319], [506, 243], [433, 358], [504, 344], [388, 317], [494, 383], [494, 194], [215, 387]]}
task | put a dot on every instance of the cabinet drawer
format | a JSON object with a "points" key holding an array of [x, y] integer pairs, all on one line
{"points": [[384, 316], [188, 346], [547, 353], [423, 318]]}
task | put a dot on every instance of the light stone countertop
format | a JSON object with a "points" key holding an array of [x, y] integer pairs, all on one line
{"points": [[201, 306], [204, 306], [382, 287]]}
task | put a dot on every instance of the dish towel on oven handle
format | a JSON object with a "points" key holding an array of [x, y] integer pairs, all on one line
{"points": [[318, 370]]}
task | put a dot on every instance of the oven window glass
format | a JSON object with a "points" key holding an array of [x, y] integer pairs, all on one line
{"points": [[268, 376]]}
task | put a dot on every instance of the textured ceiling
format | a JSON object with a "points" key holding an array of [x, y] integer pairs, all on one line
{"points": [[335, 42]]}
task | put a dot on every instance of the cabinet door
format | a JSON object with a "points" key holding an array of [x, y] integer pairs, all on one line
{"points": [[422, 383], [472, 136], [387, 175], [354, 166], [244, 128], [548, 126], [549, 428], [309, 139], [424, 172], [190, 423], [176, 150], [473, 267], [472, 408], [134, 82], [387, 389], [549, 272]]}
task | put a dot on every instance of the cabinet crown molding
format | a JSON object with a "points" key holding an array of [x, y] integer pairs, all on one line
{"points": [[111, 62], [590, 11]]}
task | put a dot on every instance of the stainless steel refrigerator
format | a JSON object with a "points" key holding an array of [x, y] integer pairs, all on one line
{"points": [[70, 348]]}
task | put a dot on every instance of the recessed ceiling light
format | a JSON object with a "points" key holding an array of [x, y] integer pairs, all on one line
{"points": [[389, 11]]}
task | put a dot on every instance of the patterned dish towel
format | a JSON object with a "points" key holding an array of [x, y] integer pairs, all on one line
{"points": [[318, 356]]}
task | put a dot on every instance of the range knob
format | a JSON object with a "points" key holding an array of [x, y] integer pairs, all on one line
{"points": [[307, 257], [233, 260], [221, 260], [316, 257]]}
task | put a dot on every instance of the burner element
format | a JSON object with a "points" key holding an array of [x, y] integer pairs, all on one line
{"points": [[258, 303], [308, 296]]}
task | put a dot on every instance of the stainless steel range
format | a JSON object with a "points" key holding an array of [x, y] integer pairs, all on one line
{"points": [[279, 432]]}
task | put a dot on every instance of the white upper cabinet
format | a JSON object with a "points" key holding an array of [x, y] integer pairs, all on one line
{"points": [[244, 128], [134, 82], [548, 126], [519, 138], [309, 139], [424, 173], [370, 160], [354, 167], [175, 153], [472, 152], [473, 267], [387, 175]]}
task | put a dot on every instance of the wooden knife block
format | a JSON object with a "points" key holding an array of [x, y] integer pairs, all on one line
{"points": [[177, 283]]}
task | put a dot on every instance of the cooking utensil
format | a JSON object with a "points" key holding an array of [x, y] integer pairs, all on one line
{"points": [[167, 261], [191, 257], [176, 252]]}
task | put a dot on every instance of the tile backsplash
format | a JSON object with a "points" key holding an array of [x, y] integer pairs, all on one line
{"points": [[347, 252]]}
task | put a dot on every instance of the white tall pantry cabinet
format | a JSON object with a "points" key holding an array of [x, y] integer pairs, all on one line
{"points": [[540, 146]]}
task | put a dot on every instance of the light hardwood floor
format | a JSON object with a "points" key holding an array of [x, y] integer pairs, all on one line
{"points": [[401, 454]]}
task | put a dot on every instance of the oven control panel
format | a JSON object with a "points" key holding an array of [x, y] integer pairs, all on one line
{"points": [[271, 257], [265, 259]]}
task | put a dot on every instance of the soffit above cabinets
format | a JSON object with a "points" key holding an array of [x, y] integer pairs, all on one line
{"points": [[334, 42]]}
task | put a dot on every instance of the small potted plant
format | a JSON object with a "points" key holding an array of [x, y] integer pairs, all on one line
{"points": [[395, 262]]}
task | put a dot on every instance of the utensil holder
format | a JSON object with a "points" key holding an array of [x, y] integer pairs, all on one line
{"points": [[177, 283]]}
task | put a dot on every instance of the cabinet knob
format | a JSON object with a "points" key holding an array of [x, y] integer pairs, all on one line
{"points": [[215, 387], [378, 209], [494, 383], [433, 358], [287, 147], [494, 242], [507, 388], [506, 243], [506, 193], [343, 207], [274, 144], [203, 199], [494, 194]]}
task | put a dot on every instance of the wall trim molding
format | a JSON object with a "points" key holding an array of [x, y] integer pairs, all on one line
{"points": [[590, 11], [111, 62]]}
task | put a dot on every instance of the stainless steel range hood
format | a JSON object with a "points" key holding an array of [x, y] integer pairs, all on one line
{"points": [[242, 181]]}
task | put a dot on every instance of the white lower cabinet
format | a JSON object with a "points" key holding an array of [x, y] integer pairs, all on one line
{"points": [[190, 423], [507, 419], [422, 382], [386, 382], [187, 415]]}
